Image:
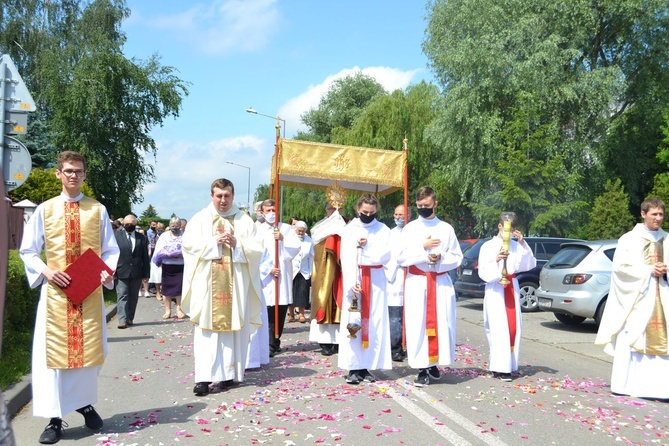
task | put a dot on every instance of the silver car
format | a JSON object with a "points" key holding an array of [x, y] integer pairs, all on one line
{"points": [[575, 283]]}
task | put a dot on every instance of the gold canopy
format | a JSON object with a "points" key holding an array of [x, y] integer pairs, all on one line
{"points": [[356, 169]]}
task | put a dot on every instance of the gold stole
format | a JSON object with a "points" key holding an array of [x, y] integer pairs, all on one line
{"points": [[222, 281], [73, 332], [656, 330]]}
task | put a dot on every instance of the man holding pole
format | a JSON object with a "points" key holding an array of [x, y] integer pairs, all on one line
{"points": [[280, 243]]}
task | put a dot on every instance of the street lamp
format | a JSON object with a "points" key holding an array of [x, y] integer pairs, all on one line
{"points": [[248, 198], [278, 118]]}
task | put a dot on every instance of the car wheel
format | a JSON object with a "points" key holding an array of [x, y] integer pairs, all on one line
{"points": [[568, 319], [600, 312], [528, 297]]}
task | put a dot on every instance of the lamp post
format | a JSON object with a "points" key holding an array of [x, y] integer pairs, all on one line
{"points": [[248, 198], [278, 118]]}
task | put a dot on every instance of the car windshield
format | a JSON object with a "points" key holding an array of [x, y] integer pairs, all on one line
{"points": [[473, 251], [568, 257]]}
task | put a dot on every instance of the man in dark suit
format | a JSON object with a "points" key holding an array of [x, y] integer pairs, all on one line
{"points": [[133, 266]]}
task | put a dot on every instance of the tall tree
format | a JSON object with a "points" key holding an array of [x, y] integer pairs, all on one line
{"points": [[575, 67], [149, 212], [340, 106], [93, 99], [610, 216]]}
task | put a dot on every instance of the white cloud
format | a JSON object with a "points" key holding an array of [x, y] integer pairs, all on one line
{"points": [[224, 26], [390, 78], [184, 172]]}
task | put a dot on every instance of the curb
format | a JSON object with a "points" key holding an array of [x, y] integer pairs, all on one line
{"points": [[18, 395]]}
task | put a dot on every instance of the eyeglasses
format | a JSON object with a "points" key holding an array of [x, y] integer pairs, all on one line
{"points": [[72, 172]]}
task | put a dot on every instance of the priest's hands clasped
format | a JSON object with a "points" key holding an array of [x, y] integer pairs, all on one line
{"points": [[659, 269], [227, 238]]}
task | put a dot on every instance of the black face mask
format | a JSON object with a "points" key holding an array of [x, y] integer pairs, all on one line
{"points": [[129, 228], [425, 212], [367, 218], [175, 230]]}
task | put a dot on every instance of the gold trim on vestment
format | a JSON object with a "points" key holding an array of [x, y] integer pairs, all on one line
{"points": [[222, 281], [322, 280], [656, 330], [73, 332]]}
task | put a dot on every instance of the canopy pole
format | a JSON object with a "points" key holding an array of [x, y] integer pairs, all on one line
{"points": [[406, 179], [276, 227], [405, 142]]}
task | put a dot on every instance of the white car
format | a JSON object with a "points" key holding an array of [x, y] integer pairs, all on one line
{"points": [[575, 283]]}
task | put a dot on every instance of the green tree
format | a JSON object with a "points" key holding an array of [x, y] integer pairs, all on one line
{"points": [[340, 106], [575, 67], [610, 216], [149, 213], [92, 98], [535, 190]]}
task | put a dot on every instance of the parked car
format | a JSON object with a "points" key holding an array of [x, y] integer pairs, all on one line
{"points": [[470, 285], [575, 282], [464, 246]]}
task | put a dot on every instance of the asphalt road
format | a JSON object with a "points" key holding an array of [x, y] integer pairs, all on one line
{"points": [[561, 398]]}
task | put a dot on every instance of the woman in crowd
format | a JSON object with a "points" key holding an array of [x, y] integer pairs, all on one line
{"points": [[168, 255], [302, 265]]}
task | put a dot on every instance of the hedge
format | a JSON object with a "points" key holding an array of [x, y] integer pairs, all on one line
{"points": [[20, 309]]}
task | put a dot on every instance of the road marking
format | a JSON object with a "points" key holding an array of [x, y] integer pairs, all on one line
{"points": [[487, 438], [428, 419]]}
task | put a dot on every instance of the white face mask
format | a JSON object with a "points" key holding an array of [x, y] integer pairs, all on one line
{"points": [[270, 217]]}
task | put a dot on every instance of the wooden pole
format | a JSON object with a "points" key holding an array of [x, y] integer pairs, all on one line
{"points": [[276, 227], [406, 220]]}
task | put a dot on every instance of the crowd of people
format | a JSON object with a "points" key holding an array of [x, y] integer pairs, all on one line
{"points": [[371, 294]]}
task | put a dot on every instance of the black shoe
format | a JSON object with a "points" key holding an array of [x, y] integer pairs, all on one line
{"points": [[505, 377], [364, 375], [327, 349], [353, 377], [434, 373], [201, 389], [399, 356], [423, 379], [223, 385], [91, 417], [53, 432]]}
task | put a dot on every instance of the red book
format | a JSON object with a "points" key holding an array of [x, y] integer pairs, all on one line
{"points": [[85, 275]]}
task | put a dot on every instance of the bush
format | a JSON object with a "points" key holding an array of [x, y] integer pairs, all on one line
{"points": [[19, 321]]}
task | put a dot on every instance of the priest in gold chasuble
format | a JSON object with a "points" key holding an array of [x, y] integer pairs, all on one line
{"points": [[634, 325], [221, 287], [326, 281], [70, 340]]}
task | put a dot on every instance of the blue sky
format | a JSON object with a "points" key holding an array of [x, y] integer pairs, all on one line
{"points": [[277, 56]]}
